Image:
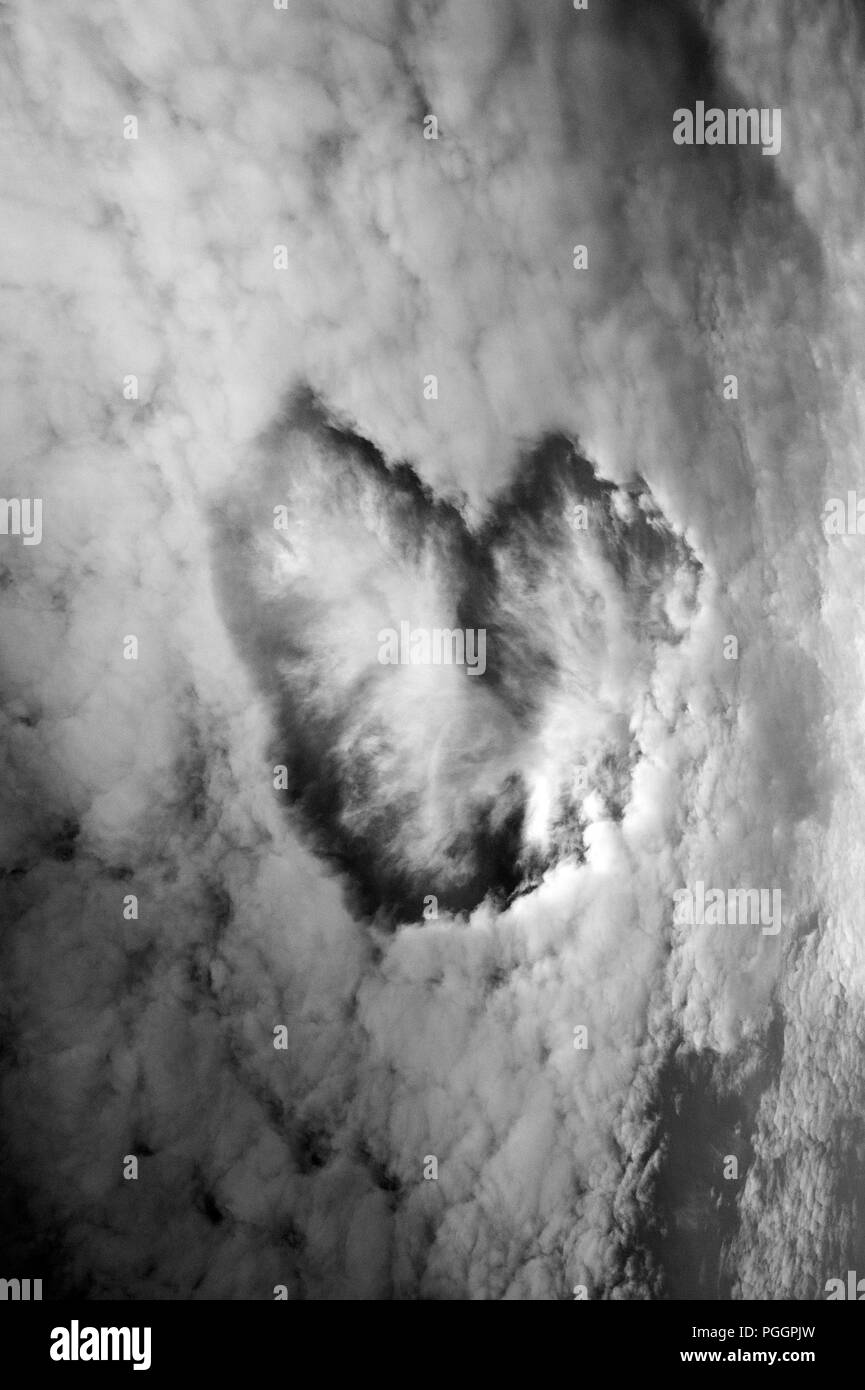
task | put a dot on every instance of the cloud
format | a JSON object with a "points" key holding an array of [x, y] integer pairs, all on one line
{"points": [[557, 387]]}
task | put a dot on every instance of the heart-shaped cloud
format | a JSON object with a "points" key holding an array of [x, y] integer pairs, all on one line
{"points": [[427, 777]]}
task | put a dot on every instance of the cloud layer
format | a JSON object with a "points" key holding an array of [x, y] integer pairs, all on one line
{"points": [[449, 1036]]}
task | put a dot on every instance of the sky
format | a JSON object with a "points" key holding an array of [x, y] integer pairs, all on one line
{"points": [[610, 754]]}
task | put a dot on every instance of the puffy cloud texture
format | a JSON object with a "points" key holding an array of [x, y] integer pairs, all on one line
{"points": [[280, 259]]}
